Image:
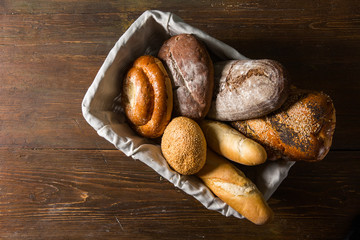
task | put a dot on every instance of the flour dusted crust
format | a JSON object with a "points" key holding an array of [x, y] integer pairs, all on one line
{"points": [[183, 145], [247, 89], [191, 70], [147, 97], [302, 129]]}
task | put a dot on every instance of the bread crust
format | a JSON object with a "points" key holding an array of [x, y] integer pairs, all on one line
{"points": [[192, 73], [184, 146], [232, 144], [301, 130], [246, 89], [147, 97], [234, 188]]}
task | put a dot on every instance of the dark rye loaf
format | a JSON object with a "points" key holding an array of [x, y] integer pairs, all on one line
{"points": [[192, 73]]}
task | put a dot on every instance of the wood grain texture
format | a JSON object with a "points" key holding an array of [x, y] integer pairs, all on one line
{"points": [[60, 180], [103, 194]]}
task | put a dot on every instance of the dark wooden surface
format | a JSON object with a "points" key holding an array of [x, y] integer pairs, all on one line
{"points": [[60, 180]]}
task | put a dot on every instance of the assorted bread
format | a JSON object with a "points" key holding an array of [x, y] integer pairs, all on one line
{"points": [[233, 187], [244, 112], [192, 73], [246, 89], [184, 146], [232, 144], [147, 97], [301, 130]]}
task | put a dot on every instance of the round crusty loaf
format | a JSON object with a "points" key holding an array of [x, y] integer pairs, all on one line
{"points": [[183, 146], [302, 129], [147, 97], [191, 70], [246, 89]]}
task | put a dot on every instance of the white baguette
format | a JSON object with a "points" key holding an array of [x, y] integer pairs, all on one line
{"points": [[231, 144], [231, 185]]}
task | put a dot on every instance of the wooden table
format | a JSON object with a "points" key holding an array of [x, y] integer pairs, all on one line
{"points": [[60, 180]]}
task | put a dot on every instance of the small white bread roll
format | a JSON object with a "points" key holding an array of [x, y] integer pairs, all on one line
{"points": [[231, 185], [231, 144]]}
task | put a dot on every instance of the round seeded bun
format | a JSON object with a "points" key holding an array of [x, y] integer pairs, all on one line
{"points": [[184, 146]]}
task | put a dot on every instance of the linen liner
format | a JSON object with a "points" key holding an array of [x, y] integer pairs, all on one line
{"points": [[100, 107]]}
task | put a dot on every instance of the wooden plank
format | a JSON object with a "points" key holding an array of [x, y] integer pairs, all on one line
{"points": [[45, 118], [103, 194]]}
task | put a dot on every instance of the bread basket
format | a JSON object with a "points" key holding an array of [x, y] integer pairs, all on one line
{"points": [[99, 108]]}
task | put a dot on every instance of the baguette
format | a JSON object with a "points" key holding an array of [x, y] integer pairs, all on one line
{"points": [[232, 144], [231, 185]]}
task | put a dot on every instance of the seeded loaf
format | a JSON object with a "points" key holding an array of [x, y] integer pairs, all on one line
{"points": [[184, 146], [302, 129]]}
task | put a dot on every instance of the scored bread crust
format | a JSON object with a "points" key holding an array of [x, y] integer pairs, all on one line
{"points": [[234, 188], [302, 129], [247, 89], [147, 97], [192, 73]]}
